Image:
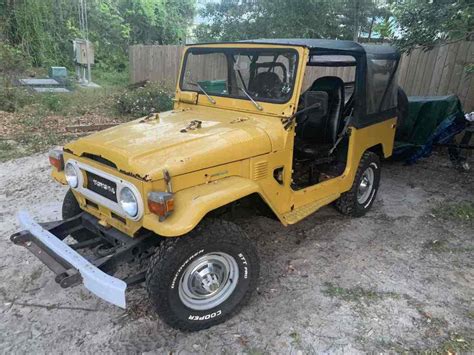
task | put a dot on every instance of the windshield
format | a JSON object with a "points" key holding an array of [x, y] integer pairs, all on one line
{"points": [[258, 74]]}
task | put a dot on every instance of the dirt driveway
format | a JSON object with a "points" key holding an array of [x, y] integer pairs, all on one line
{"points": [[401, 278]]}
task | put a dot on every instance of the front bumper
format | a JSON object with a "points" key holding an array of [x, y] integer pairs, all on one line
{"points": [[45, 241]]}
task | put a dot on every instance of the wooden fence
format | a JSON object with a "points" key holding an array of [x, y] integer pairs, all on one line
{"points": [[155, 63], [440, 71]]}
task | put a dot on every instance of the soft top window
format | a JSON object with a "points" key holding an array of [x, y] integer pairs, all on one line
{"points": [[381, 87], [342, 66]]}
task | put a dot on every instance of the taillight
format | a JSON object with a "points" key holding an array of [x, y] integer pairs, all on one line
{"points": [[56, 159], [161, 204]]}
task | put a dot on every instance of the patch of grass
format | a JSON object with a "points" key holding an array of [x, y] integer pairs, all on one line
{"points": [[54, 102], [6, 146], [455, 344], [443, 246], [436, 245], [428, 319], [31, 122], [36, 274], [295, 338], [356, 294], [13, 98], [110, 78], [254, 351], [462, 211], [8, 150], [29, 143]]}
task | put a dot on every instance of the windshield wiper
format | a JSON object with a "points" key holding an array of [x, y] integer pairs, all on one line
{"points": [[257, 105], [211, 100]]}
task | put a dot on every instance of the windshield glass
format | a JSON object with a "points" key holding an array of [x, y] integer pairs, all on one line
{"points": [[263, 74]]}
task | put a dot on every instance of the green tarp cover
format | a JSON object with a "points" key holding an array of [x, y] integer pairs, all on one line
{"points": [[425, 116]]}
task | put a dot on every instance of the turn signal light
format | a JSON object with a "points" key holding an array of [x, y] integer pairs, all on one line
{"points": [[161, 204], [56, 159]]}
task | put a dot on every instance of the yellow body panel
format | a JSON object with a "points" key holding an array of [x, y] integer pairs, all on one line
{"points": [[232, 155], [192, 204]]}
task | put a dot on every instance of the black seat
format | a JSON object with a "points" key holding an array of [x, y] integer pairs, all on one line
{"points": [[323, 130]]}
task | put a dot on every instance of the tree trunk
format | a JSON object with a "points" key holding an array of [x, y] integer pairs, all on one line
{"points": [[370, 28], [356, 20]]}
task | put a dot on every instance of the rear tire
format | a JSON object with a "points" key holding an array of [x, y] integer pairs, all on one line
{"points": [[202, 279], [71, 209], [359, 199]]}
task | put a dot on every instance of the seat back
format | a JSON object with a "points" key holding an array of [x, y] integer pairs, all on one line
{"points": [[324, 129]]}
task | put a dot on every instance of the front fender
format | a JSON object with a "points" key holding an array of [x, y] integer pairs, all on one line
{"points": [[192, 204]]}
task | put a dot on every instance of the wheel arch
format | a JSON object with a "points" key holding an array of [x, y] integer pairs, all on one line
{"points": [[379, 150], [193, 204]]}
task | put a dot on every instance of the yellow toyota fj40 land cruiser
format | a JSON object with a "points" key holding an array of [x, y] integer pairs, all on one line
{"points": [[286, 125]]}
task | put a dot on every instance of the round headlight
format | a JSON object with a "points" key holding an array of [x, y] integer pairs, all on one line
{"points": [[71, 175], [128, 202]]}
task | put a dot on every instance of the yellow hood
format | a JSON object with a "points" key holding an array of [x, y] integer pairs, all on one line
{"points": [[145, 147]]}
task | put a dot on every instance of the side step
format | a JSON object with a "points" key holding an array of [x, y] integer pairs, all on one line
{"points": [[304, 211]]}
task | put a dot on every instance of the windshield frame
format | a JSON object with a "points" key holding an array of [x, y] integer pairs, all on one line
{"points": [[242, 50]]}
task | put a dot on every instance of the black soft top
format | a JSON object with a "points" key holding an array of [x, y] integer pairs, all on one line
{"points": [[333, 46], [376, 87]]}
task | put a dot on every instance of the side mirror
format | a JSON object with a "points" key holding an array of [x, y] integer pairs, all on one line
{"points": [[317, 101]]}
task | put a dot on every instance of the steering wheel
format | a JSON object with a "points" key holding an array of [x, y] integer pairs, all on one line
{"points": [[268, 85]]}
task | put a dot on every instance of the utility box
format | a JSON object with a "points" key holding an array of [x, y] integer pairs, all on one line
{"points": [[57, 72], [82, 50]]}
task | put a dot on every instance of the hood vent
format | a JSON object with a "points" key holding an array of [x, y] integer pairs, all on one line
{"points": [[99, 159], [260, 170]]}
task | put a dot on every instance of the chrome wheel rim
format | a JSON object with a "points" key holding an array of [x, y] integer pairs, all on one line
{"points": [[208, 281], [366, 185]]}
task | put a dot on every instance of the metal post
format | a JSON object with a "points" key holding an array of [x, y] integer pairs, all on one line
{"points": [[89, 80]]}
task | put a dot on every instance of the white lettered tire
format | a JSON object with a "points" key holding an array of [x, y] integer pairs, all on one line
{"points": [[202, 279]]}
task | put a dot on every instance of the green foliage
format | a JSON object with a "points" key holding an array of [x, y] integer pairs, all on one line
{"points": [[43, 30], [408, 23], [7, 151], [12, 60], [37, 28], [108, 78], [52, 102], [287, 19], [144, 100], [426, 23], [13, 98], [160, 22]]}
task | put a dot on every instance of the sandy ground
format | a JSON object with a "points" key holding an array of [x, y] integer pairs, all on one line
{"points": [[401, 278]]}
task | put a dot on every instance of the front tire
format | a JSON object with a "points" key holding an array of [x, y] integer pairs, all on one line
{"points": [[71, 209], [359, 199], [202, 279]]}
